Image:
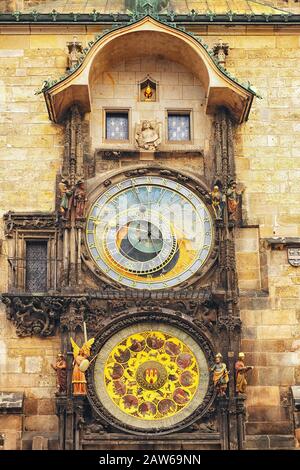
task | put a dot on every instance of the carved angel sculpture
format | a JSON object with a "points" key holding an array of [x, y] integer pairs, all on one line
{"points": [[80, 364], [147, 135]]}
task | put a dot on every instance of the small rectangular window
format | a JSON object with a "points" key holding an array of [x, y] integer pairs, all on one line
{"points": [[36, 266], [116, 125], [179, 126]]}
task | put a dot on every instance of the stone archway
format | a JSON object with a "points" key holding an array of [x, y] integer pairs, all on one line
{"points": [[143, 37]]}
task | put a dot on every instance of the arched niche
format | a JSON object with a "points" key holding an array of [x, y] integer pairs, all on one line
{"points": [[147, 37]]}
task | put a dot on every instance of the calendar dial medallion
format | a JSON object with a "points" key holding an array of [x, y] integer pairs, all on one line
{"points": [[149, 233], [151, 375]]}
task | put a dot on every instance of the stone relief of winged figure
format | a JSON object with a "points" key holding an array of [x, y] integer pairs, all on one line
{"points": [[147, 135]]}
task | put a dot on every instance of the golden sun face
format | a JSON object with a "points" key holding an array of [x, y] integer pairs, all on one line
{"points": [[149, 233]]}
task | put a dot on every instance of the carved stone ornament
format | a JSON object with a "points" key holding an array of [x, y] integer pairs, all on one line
{"points": [[92, 431], [229, 324], [144, 7], [147, 135], [294, 256], [33, 315], [197, 304], [27, 221], [220, 50], [75, 51]]}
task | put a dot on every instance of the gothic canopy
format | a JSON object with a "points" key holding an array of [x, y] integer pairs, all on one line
{"points": [[167, 41]]}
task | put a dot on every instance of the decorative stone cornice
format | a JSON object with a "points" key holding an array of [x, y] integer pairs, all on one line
{"points": [[28, 221], [42, 314], [34, 315], [282, 242], [193, 18]]}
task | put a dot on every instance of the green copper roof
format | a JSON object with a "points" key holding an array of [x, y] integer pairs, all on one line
{"points": [[124, 6]]}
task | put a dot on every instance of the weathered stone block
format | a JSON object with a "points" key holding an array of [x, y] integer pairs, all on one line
{"points": [[12, 440], [287, 291], [11, 422], [33, 365], [274, 332], [41, 423], [46, 407], [39, 443], [276, 376], [257, 442], [282, 427], [251, 317], [13, 365], [277, 317], [256, 358], [30, 406], [271, 413], [282, 442], [11, 402], [249, 332], [263, 396], [284, 359]]}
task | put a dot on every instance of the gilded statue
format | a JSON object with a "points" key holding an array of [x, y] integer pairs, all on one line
{"points": [[79, 199], [217, 202], [241, 371], [65, 198], [147, 135], [233, 200], [148, 93], [80, 365], [60, 368], [220, 375]]}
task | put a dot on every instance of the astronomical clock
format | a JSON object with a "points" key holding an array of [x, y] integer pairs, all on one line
{"points": [[135, 269], [148, 235]]}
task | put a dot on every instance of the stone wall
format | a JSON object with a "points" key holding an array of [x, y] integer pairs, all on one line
{"points": [[31, 150], [268, 163], [25, 367]]}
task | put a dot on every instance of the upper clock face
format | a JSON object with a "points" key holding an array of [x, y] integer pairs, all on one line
{"points": [[149, 233]]}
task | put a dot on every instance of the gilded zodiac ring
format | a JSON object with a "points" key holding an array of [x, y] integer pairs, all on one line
{"points": [[151, 372], [151, 375]]}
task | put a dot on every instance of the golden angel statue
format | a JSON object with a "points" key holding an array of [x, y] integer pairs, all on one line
{"points": [[80, 365]]}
